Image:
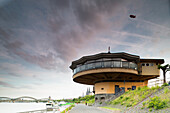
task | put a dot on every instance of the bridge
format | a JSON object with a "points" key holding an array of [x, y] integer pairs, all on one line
{"points": [[23, 98]]}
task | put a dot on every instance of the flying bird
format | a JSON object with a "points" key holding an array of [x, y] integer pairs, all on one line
{"points": [[132, 16]]}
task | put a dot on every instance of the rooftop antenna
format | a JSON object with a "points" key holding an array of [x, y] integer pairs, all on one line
{"points": [[109, 49]]}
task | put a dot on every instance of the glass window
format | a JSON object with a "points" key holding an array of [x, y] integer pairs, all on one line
{"points": [[132, 65], [125, 64], [98, 64], [143, 64], [90, 66], [77, 69], [107, 64], [83, 67], [74, 71], [151, 64], [147, 64], [117, 64]]}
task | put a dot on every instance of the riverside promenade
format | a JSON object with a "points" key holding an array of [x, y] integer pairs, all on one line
{"points": [[88, 109]]}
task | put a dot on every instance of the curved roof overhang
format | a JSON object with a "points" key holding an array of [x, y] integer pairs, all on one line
{"points": [[123, 55]]}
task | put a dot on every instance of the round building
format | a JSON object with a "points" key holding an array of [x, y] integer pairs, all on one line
{"points": [[114, 73]]}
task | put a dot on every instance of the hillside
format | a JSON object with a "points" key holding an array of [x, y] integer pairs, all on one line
{"points": [[143, 99]]}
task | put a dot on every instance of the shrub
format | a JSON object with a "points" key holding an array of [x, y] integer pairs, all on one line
{"points": [[166, 90], [144, 103], [100, 103], [128, 105], [126, 98], [139, 88], [150, 109], [157, 103], [165, 84], [143, 96], [121, 97]]}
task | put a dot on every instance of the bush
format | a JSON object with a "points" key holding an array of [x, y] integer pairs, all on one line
{"points": [[150, 109], [166, 90], [139, 88], [143, 96], [144, 103], [126, 98], [165, 84], [128, 105], [157, 103], [121, 97]]}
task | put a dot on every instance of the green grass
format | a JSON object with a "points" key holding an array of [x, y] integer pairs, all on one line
{"points": [[91, 102], [105, 107], [163, 101], [132, 97], [69, 108]]}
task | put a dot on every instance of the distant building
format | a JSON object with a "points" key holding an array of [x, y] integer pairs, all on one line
{"points": [[88, 91], [112, 73], [83, 94]]}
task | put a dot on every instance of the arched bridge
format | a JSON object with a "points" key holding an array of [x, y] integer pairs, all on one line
{"points": [[5, 98], [22, 97], [27, 97]]}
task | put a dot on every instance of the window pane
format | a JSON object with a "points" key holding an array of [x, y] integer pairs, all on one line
{"points": [[107, 64], [98, 64], [83, 67], [117, 64], [125, 64], [89, 66]]}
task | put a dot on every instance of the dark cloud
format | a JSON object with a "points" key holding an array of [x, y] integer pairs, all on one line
{"points": [[50, 33], [66, 26]]}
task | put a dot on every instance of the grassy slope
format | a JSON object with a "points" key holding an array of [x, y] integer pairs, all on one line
{"points": [[131, 98], [116, 109]]}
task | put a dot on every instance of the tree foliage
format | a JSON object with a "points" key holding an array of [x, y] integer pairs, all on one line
{"points": [[164, 69], [79, 99]]}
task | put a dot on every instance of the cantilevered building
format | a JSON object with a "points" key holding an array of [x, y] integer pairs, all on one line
{"points": [[113, 73]]}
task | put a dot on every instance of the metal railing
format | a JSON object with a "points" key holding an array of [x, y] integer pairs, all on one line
{"points": [[106, 64]]}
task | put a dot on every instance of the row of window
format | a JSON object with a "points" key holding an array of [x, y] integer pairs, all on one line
{"points": [[106, 64], [147, 64], [134, 87]]}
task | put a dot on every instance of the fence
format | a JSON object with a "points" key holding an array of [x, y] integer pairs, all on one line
{"points": [[157, 82]]}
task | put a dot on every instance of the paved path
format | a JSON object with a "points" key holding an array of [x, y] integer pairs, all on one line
{"points": [[87, 109]]}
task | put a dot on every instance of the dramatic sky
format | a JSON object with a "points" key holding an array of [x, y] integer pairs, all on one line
{"points": [[40, 38]]}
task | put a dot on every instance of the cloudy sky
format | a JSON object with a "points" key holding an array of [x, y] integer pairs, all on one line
{"points": [[40, 38]]}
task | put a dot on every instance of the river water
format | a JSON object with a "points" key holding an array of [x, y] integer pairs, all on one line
{"points": [[21, 107]]}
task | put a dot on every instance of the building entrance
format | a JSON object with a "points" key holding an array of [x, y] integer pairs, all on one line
{"points": [[116, 89], [133, 87]]}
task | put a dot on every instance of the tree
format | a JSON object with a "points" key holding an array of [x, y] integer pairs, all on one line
{"points": [[164, 69]]}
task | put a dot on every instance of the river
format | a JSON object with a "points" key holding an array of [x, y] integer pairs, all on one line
{"points": [[21, 107]]}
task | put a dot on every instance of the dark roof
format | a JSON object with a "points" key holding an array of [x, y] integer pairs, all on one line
{"points": [[161, 61], [123, 55]]}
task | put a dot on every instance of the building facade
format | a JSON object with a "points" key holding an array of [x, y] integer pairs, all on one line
{"points": [[113, 73]]}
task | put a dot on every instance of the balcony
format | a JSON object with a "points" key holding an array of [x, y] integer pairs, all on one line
{"points": [[105, 64]]}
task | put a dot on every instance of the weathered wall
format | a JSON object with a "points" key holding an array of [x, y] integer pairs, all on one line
{"points": [[150, 70], [109, 87]]}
